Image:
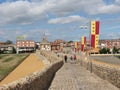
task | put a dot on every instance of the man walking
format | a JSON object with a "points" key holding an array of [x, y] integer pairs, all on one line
{"points": [[65, 58]]}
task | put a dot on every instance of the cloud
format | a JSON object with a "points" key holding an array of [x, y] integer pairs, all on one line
{"points": [[93, 7], [69, 19], [110, 9], [117, 1], [22, 12], [29, 11]]}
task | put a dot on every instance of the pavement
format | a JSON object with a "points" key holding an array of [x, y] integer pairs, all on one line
{"points": [[74, 77]]}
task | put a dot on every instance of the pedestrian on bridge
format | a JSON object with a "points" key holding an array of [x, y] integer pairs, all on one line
{"points": [[71, 58], [65, 58], [75, 57]]}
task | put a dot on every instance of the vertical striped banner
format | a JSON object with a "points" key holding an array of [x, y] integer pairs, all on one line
{"points": [[93, 41], [93, 24], [83, 43], [95, 34], [76, 45]]}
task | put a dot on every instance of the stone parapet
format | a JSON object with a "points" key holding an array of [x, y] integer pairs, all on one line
{"points": [[39, 80], [106, 71]]}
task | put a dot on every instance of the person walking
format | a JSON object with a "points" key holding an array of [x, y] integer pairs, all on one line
{"points": [[75, 57], [71, 58], [65, 58]]}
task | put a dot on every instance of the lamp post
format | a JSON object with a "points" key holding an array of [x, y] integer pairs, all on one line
{"points": [[86, 27], [82, 28]]}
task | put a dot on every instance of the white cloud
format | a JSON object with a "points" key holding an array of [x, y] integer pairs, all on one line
{"points": [[117, 1], [110, 9], [69, 19], [22, 12], [93, 7], [29, 11]]}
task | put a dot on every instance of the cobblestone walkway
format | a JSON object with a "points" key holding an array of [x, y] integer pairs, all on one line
{"points": [[74, 77]]}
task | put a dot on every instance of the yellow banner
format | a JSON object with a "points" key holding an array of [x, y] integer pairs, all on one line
{"points": [[96, 41], [93, 27], [82, 40], [76, 45]]}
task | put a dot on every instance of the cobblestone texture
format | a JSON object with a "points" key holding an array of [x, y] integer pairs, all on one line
{"points": [[73, 77]]}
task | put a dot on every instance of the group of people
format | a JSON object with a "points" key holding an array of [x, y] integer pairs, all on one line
{"points": [[71, 58]]}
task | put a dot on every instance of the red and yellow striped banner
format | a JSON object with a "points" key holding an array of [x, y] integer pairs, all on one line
{"points": [[76, 45], [83, 43], [94, 33]]}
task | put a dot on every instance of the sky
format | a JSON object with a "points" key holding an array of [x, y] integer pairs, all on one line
{"points": [[58, 19]]}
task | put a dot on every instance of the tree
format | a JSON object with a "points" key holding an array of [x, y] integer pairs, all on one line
{"points": [[70, 42], [14, 50], [115, 50], [104, 50], [8, 42], [108, 50]]}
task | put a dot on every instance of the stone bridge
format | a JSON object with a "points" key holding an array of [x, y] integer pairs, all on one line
{"points": [[82, 74]]}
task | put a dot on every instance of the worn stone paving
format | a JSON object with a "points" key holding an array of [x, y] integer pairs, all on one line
{"points": [[74, 77]]}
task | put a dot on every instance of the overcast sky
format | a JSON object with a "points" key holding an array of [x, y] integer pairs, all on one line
{"points": [[58, 19]]}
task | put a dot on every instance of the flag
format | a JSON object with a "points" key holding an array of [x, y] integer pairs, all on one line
{"points": [[96, 41], [93, 24], [76, 45], [97, 27], [83, 43], [93, 41], [94, 33]]}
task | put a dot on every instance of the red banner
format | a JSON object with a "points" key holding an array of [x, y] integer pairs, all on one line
{"points": [[93, 41], [97, 27]]}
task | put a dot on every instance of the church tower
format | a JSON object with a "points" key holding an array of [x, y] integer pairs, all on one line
{"points": [[45, 45]]}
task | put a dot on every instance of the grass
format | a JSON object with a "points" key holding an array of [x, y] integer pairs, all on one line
{"points": [[2, 56], [8, 59], [8, 62]]}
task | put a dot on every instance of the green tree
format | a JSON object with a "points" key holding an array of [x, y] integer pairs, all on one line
{"points": [[14, 50], [8, 42], [115, 50], [70, 42], [108, 50], [104, 51]]}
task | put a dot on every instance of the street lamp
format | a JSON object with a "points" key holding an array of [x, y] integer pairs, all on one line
{"points": [[85, 27], [82, 46]]}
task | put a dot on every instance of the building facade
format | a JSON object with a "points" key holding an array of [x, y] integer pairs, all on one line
{"points": [[25, 46], [110, 43], [7, 48], [45, 45], [57, 45]]}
